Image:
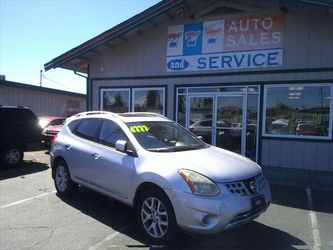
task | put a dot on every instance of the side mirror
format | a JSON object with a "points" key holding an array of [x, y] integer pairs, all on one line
{"points": [[121, 146], [125, 147], [200, 137]]}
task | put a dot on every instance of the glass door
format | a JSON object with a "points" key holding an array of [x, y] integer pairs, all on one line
{"points": [[230, 123], [200, 118], [225, 117]]}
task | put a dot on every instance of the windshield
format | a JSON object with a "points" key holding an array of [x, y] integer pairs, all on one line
{"points": [[157, 136]]}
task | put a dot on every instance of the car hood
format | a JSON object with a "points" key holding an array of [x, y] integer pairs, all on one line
{"points": [[217, 164], [55, 127]]}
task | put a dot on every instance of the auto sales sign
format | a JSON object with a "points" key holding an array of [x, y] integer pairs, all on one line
{"points": [[232, 43]]}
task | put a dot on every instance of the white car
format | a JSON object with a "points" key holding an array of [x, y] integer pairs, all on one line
{"points": [[170, 177]]}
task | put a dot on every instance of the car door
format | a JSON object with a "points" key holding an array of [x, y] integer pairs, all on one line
{"points": [[79, 154], [112, 170]]}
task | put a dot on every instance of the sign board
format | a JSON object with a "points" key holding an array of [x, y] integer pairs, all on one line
{"points": [[231, 43]]}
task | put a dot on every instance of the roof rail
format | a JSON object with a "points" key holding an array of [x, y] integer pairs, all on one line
{"points": [[97, 112], [145, 113]]}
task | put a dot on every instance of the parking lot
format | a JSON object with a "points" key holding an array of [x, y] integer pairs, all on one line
{"points": [[33, 217]]}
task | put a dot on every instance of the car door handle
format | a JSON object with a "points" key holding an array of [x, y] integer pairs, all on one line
{"points": [[95, 155], [68, 146]]}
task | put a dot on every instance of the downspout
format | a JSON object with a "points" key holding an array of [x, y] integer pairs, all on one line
{"points": [[87, 88]]}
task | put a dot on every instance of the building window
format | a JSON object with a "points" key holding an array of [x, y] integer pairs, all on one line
{"points": [[115, 100], [298, 111], [149, 100]]}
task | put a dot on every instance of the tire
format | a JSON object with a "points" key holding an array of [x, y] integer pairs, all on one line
{"points": [[155, 215], [12, 156], [62, 179]]}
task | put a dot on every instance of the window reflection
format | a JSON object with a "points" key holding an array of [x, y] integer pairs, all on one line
{"points": [[149, 100], [181, 110], [116, 101], [201, 115], [298, 110]]}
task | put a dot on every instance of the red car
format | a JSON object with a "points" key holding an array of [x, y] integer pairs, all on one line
{"points": [[52, 126], [48, 134], [45, 121], [307, 129]]}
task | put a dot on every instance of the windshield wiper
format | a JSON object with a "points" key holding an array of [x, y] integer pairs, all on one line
{"points": [[161, 149], [186, 148]]}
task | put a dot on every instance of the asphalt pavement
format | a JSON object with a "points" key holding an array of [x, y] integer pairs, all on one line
{"points": [[32, 216]]}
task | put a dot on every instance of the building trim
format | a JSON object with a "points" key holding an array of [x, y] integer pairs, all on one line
{"points": [[253, 72], [112, 33], [268, 138], [40, 89], [258, 83], [88, 97]]}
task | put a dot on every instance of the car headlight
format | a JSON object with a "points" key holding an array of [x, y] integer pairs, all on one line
{"points": [[198, 183]]}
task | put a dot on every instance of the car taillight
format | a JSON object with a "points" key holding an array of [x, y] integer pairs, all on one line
{"points": [[53, 139]]}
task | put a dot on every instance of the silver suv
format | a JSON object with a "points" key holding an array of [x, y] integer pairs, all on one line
{"points": [[171, 178]]}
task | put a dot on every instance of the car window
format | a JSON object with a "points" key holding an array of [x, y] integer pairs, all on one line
{"points": [[10, 115], [24, 115], [56, 122], [206, 123], [111, 133], [5, 117], [72, 125], [87, 128]]}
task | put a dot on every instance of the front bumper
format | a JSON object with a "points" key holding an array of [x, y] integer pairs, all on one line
{"points": [[200, 214]]}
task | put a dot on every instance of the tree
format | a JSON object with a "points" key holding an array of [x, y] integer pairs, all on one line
{"points": [[118, 101], [153, 99]]}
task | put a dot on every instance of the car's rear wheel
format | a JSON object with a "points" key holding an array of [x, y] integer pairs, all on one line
{"points": [[12, 156], [156, 217], [62, 179]]}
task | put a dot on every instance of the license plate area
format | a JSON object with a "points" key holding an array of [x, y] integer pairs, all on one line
{"points": [[258, 203]]}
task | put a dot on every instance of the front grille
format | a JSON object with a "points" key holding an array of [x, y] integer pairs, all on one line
{"points": [[247, 186], [237, 188]]}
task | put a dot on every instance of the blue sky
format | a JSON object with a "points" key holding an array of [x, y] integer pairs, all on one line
{"points": [[33, 32]]}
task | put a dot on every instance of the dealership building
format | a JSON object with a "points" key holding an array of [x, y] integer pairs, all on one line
{"points": [[254, 77]]}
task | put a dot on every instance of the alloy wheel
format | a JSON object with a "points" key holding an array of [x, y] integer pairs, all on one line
{"points": [[154, 217], [61, 178]]}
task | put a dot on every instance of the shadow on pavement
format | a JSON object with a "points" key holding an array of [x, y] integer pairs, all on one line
{"points": [[322, 201], [121, 218], [27, 167], [297, 198]]}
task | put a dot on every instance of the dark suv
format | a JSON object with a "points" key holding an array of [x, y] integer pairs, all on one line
{"points": [[19, 132]]}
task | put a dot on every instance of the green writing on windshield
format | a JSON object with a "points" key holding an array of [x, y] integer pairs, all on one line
{"points": [[139, 129]]}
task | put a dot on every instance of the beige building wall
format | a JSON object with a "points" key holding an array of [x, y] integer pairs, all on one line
{"points": [[43, 102]]}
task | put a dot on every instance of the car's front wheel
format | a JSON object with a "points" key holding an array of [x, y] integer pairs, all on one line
{"points": [[12, 156], [156, 217], [62, 179]]}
